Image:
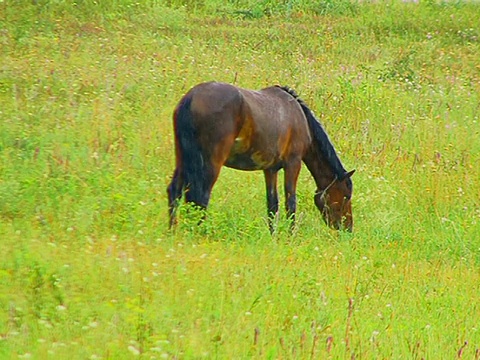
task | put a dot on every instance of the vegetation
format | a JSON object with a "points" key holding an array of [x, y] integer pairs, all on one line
{"points": [[88, 268]]}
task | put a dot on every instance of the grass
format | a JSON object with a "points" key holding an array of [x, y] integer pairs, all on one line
{"points": [[88, 268]]}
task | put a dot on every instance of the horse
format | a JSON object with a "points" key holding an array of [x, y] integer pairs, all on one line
{"points": [[218, 124]]}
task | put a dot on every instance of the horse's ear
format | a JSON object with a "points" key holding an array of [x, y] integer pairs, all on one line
{"points": [[350, 173]]}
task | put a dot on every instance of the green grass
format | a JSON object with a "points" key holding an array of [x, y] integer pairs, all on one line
{"points": [[88, 268]]}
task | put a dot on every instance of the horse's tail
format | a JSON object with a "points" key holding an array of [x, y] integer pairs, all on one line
{"points": [[191, 156]]}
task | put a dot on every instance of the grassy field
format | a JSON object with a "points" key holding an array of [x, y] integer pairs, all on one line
{"points": [[88, 268]]}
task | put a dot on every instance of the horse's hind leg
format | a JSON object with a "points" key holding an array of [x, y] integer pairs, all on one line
{"points": [[174, 191], [199, 192], [199, 196]]}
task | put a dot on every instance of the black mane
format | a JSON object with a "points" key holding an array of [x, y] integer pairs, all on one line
{"points": [[320, 137]]}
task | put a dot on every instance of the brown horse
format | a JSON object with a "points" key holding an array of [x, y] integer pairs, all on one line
{"points": [[218, 124]]}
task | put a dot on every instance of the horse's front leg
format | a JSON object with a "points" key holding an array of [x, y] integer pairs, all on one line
{"points": [[291, 176], [272, 197]]}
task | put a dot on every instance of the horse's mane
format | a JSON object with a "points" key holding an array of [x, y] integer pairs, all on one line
{"points": [[319, 135]]}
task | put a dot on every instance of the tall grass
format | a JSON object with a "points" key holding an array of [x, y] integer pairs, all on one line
{"points": [[88, 268]]}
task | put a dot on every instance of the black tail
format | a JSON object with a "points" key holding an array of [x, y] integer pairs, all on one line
{"points": [[192, 162]]}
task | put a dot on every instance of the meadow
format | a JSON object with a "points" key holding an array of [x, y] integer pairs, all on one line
{"points": [[88, 267]]}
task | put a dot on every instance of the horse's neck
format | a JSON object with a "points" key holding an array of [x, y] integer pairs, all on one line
{"points": [[321, 171]]}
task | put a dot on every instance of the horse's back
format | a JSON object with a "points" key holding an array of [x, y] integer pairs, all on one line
{"points": [[215, 108], [211, 98], [247, 129], [280, 131], [274, 108]]}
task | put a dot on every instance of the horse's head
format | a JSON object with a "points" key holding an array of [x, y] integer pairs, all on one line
{"points": [[334, 202]]}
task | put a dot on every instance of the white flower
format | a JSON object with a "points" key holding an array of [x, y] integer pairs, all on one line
{"points": [[133, 350]]}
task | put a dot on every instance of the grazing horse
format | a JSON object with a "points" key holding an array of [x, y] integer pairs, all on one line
{"points": [[218, 124]]}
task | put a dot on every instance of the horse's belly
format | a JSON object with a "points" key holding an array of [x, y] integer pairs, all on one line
{"points": [[249, 161], [245, 155]]}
